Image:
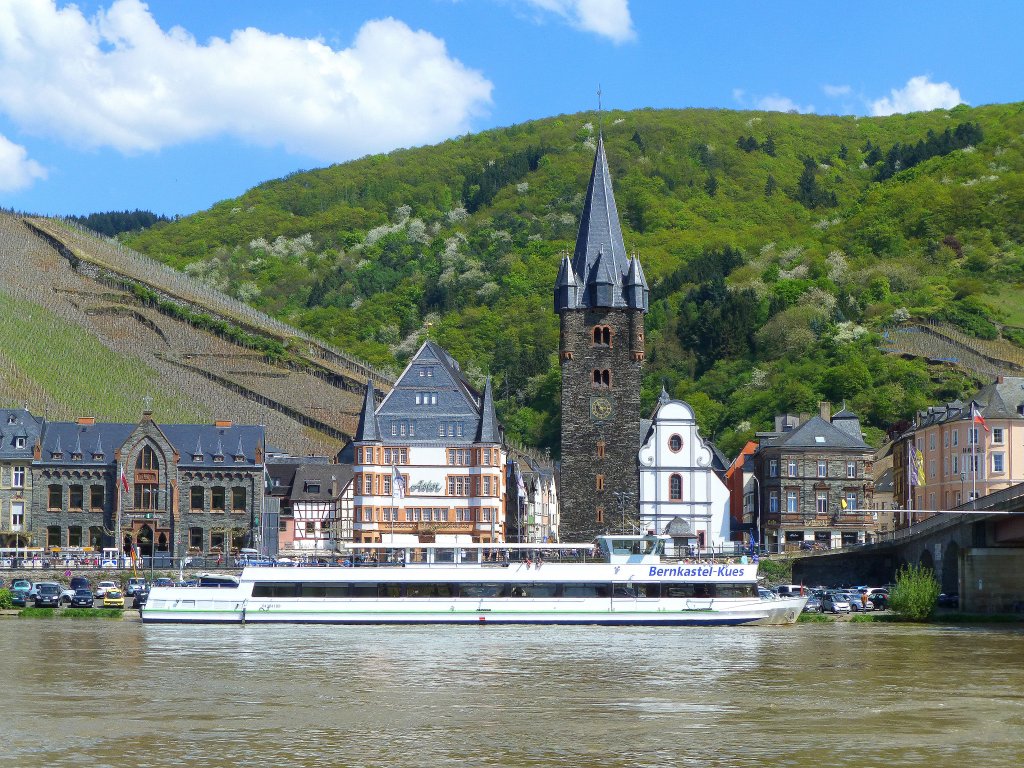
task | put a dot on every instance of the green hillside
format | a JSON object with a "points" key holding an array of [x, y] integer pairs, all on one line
{"points": [[777, 247]]}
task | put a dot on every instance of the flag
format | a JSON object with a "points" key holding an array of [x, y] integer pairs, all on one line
{"points": [[520, 485], [842, 503], [397, 483], [916, 465], [124, 480], [977, 418]]}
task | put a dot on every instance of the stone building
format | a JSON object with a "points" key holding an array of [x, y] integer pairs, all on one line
{"points": [[815, 477], [601, 296], [682, 492], [442, 438], [19, 434], [175, 489]]}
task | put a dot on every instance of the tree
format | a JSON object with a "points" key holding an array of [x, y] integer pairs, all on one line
{"points": [[915, 594], [768, 147], [711, 185], [770, 186]]}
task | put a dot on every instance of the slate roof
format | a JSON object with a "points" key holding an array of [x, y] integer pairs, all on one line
{"points": [[320, 477], [1002, 399], [15, 423], [600, 273], [430, 394], [815, 433], [65, 437]]}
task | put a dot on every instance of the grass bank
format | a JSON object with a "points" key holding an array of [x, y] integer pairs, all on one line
{"points": [[70, 613]]}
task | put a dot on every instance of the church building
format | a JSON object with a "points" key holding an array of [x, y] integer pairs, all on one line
{"points": [[601, 296]]}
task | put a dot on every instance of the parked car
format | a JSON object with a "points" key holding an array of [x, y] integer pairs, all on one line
{"points": [[47, 595], [105, 586], [80, 582], [951, 600], [813, 604], [835, 602], [113, 598], [859, 602], [141, 597], [135, 584], [766, 594], [163, 581], [84, 598], [879, 599], [64, 594], [19, 598]]}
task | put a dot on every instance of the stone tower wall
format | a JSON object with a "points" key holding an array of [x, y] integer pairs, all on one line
{"points": [[583, 432]]}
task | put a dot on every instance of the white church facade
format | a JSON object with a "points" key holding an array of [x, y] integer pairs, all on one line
{"points": [[681, 494]]}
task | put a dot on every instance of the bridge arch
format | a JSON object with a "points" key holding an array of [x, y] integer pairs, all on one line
{"points": [[926, 560], [951, 568]]}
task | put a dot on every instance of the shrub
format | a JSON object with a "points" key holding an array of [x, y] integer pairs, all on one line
{"points": [[5, 600], [37, 613], [776, 571], [915, 594]]}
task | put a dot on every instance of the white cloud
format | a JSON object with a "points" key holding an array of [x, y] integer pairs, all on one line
{"points": [[608, 18], [781, 104], [919, 95], [738, 95], [119, 80], [836, 90], [16, 170]]}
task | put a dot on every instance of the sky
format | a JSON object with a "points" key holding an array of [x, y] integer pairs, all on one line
{"points": [[173, 105]]}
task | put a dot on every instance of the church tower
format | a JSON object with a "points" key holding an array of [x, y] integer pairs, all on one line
{"points": [[601, 296]]}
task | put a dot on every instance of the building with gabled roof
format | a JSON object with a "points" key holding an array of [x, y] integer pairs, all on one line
{"points": [[815, 482], [20, 432], [441, 438], [959, 458], [174, 489]]}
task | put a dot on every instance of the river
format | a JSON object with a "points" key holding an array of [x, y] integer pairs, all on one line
{"points": [[100, 693]]}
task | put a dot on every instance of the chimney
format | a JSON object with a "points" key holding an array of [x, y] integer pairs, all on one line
{"points": [[1000, 379], [825, 410], [222, 423], [804, 417], [86, 421]]}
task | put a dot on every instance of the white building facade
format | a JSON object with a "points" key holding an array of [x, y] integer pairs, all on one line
{"points": [[443, 439], [680, 493]]}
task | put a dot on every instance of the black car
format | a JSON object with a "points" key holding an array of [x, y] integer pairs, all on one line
{"points": [[84, 598], [79, 582], [141, 597], [47, 596]]}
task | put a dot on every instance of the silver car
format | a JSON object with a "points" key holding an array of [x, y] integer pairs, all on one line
{"points": [[834, 602]]}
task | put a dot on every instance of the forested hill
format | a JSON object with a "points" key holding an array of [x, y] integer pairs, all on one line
{"points": [[777, 246]]}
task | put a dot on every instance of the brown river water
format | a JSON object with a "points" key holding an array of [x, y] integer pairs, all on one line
{"points": [[99, 693]]}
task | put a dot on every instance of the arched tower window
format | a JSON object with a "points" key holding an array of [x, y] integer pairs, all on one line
{"points": [[602, 335], [147, 459], [675, 488], [602, 377]]}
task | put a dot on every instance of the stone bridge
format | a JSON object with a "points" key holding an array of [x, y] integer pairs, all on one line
{"points": [[976, 551]]}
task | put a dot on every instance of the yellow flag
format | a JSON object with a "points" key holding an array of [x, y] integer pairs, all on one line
{"points": [[842, 503]]}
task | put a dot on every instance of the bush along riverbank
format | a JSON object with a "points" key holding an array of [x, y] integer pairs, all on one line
{"points": [[71, 613]]}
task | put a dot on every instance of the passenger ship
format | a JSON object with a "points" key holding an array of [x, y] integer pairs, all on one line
{"points": [[627, 583]]}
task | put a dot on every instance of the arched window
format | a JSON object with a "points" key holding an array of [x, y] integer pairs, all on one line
{"points": [[597, 378], [675, 488], [602, 335], [675, 443], [599, 516], [147, 459], [602, 377]]}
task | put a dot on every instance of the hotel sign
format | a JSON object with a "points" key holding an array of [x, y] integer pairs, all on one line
{"points": [[425, 486]]}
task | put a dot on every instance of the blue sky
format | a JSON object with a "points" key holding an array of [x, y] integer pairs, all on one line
{"points": [[172, 105]]}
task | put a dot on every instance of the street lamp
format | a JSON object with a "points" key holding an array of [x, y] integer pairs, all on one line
{"points": [[963, 480], [757, 508], [622, 499]]}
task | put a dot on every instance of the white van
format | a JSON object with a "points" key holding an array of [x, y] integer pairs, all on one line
{"points": [[790, 590]]}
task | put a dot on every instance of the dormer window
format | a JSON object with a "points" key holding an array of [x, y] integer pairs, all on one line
{"points": [[312, 488], [197, 457], [11, 419], [57, 455], [97, 457], [19, 442], [76, 457], [218, 459]]}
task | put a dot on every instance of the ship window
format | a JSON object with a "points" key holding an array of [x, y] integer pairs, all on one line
{"points": [[587, 590], [688, 590], [488, 589]]}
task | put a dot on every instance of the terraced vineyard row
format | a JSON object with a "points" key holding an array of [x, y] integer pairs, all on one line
{"points": [[922, 341], [76, 346]]}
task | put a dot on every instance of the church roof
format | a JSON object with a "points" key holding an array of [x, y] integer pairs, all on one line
{"points": [[599, 262], [367, 429]]}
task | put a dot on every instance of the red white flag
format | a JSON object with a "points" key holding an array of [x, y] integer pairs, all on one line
{"points": [[124, 480], [977, 418]]}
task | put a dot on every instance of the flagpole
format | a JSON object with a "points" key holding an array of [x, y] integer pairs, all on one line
{"points": [[117, 524], [974, 457]]}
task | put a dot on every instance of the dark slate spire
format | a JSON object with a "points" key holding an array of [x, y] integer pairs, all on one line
{"points": [[197, 452], [489, 428], [98, 448], [567, 287], [367, 429], [239, 453], [56, 450], [600, 263], [220, 449], [637, 292]]}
